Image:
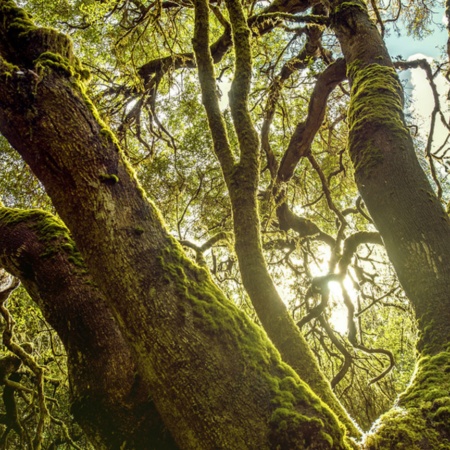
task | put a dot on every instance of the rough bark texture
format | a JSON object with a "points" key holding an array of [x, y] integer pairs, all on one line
{"points": [[414, 227], [108, 397], [214, 377]]}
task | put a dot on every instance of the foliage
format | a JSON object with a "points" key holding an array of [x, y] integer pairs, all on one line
{"points": [[162, 127]]}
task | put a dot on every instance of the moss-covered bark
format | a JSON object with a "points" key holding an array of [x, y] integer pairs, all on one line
{"points": [[422, 416], [414, 227], [241, 168], [108, 398], [214, 377]]}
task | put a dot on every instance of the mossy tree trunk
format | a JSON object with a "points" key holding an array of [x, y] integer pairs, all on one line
{"points": [[414, 227], [240, 168], [108, 396], [215, 378]]}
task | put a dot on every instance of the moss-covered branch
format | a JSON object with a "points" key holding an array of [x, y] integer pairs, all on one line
{"points": [[239, 91], [209, 90]]}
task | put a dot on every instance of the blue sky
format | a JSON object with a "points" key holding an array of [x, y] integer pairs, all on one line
{"points": [[429, 46]]}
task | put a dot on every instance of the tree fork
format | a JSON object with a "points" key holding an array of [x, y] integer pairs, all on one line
{"points": [[207, 366]]}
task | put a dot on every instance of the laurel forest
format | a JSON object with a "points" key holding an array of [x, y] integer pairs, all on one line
{"points": [[222, 226]]}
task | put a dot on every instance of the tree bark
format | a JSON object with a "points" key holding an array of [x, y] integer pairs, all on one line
{"points": [[215, 379], [108, 397], [414, 227]]}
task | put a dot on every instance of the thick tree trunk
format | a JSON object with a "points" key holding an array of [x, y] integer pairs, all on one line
{"points": [[242, 179], [108, 397], [414, 227], [214, 377]]}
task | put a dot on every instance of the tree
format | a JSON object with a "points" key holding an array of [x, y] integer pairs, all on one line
{"points": [[181, 366]]}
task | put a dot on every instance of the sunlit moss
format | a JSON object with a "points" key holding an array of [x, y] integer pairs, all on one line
{"points": [[376, 105], [422, 419], [49, 229], [298, 418]]}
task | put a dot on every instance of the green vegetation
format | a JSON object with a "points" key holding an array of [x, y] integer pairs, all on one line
{"points": [[376, 99], [148, 85], [422, 417], [50, 230]]}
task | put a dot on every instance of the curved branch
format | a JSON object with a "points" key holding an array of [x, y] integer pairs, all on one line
{"points": [[351, 245], [319, 285], [304, 227], [208, 87], [305, 132], [348, 358], [310, 50], [239, 92], [200, 249], [353, 340]]}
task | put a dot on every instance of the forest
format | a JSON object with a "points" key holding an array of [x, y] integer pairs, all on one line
{"points": [[224, 225]]}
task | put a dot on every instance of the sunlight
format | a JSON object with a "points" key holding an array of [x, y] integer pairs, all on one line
{"points": [[320, 265], [338, 318], [339, 314]]}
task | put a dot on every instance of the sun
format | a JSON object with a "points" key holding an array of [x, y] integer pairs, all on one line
{"points": [[339, 312]]}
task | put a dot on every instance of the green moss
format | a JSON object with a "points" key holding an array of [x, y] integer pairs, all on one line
{"points": [[285, 419], [50, 230], [108, 178], [375, 113], [7, 69], [45, 49], [57, 62], [139, 230], [39, 47], [298, 418], [346, 7], [422, 419]]}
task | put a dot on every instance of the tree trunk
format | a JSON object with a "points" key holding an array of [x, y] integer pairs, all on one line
{"points": [[242, 179], [414, 227], [215, 379], [108, 397]]}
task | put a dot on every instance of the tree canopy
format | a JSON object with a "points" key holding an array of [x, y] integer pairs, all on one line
{"points": [[222, 225]]}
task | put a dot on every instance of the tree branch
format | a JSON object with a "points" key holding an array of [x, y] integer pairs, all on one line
{"points": [[305, 132], [72, 304], [209, 91]]}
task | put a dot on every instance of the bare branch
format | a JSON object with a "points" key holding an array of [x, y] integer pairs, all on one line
{"points": [[305, 132]]}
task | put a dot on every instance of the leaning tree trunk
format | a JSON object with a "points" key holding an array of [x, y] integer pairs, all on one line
{"points": [[108, 397], [414, 227], [242, 178], [214, 377]]}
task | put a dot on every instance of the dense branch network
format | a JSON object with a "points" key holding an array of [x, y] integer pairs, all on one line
{"points": [[289, 200]]}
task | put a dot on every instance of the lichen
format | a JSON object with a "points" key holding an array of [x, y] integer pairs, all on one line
{"points": [[376, 109], [421, 419]]}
